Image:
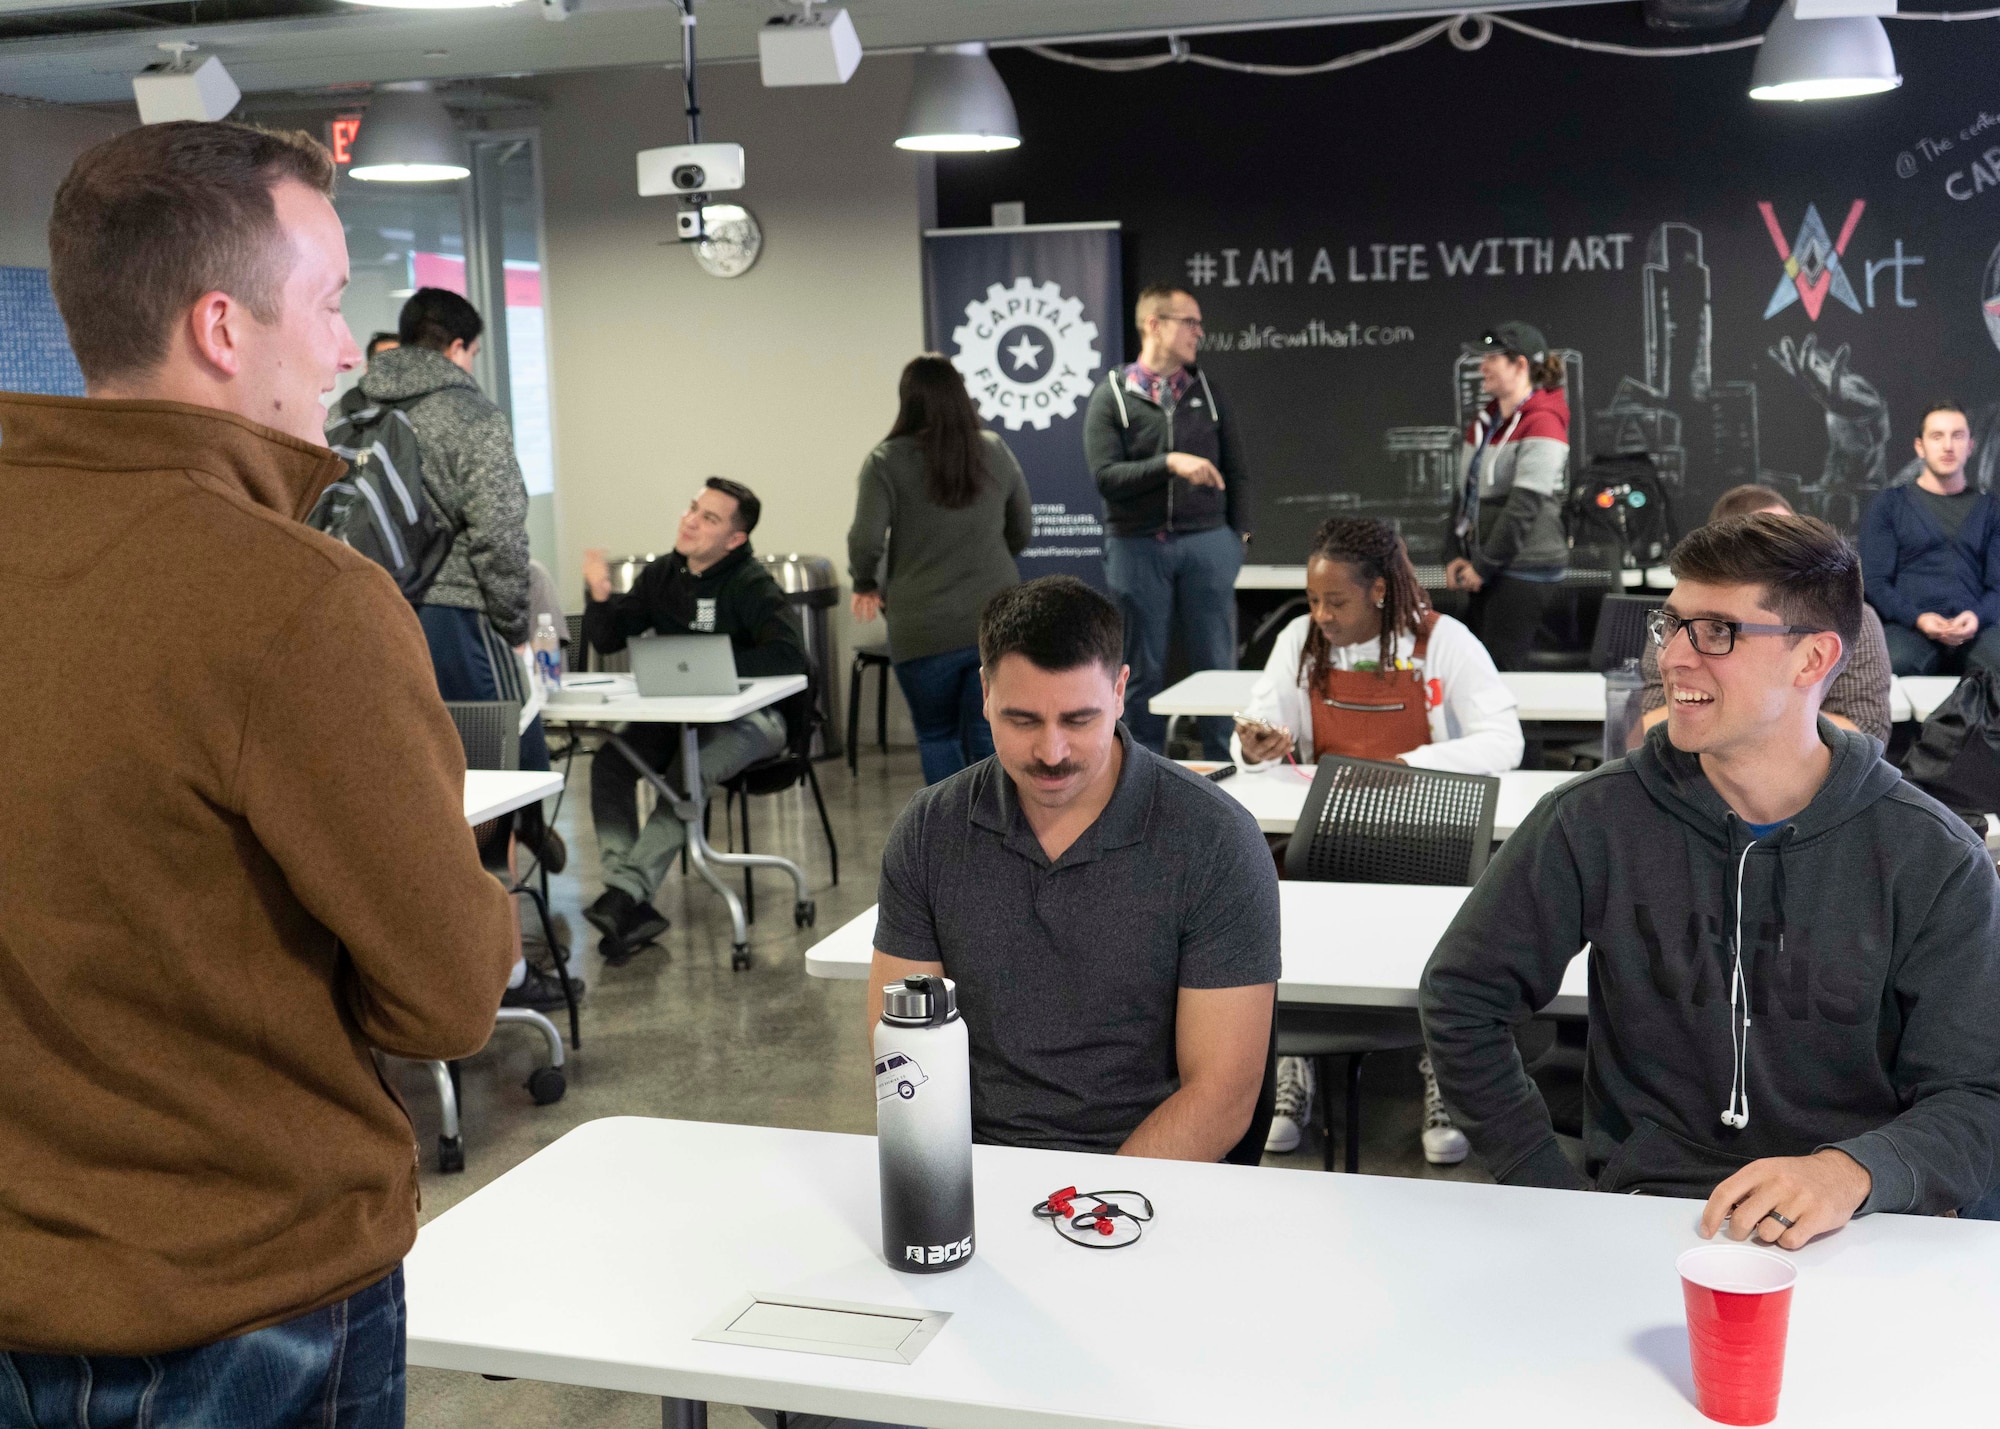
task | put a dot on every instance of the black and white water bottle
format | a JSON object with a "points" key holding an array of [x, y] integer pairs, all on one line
{"points": [[923, 1126]]}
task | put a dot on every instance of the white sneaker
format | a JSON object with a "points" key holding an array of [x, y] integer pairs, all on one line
{"points": [[1295, 1100], [1444, 1144]]}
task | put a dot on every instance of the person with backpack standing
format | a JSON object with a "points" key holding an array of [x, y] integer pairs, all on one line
{"points": [[474, 611]]}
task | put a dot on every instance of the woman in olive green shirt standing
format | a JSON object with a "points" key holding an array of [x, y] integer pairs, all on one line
{"points": [[948, 503]]}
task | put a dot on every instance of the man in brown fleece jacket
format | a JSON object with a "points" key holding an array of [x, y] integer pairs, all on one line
{"points": [[233, 855]]}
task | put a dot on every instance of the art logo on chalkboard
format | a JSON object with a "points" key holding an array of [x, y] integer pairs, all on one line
{"points": [[1812, 261], [1026, 354]]}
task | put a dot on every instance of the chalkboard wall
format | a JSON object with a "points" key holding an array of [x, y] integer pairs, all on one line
{"points": [[1345, 234]]}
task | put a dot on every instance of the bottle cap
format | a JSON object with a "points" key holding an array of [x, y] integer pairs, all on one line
{"points": [[920, 1001]]}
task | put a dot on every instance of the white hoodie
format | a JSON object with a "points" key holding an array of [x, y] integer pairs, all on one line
{"points": [[1473, 726]]}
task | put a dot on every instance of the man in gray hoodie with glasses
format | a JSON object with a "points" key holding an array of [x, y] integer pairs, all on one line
{"points": [[1795, 955]]}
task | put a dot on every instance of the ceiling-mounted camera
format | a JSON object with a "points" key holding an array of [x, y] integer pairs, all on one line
{"points": [[690, 169], [693, 170]]}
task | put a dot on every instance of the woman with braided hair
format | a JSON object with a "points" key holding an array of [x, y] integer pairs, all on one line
{"points": [[1372, 672]]}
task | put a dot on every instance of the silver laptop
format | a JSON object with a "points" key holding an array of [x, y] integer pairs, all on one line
{"points": [[667, 665]]}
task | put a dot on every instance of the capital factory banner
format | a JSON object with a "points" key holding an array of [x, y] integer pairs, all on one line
{"points": [[1032, 318]]}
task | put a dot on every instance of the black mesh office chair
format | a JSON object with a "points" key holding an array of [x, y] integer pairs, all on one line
{"points": [[1621, 630], [791, 766], [490, 730], [1365, 822]]}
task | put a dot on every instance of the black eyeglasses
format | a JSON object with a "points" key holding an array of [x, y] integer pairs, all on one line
{"points": [[1194, 323], [1710, 636]]}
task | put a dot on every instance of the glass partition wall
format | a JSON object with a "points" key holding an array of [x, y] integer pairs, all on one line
{"points": [[482, 237]]}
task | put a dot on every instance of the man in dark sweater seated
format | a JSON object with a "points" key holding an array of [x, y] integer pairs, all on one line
{"points": [[710, 585], [1931, 552], [1111, 919], [1794, 955]]}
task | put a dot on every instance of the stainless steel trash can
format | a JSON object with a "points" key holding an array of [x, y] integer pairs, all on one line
{"points": [[814, 588]]}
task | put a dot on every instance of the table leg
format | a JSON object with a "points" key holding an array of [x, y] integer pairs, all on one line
{"points": [[688, 809], [683, 1414], [706, 858]]}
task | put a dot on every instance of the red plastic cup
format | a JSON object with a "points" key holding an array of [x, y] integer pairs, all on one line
{"points": [[1739, 1303]]}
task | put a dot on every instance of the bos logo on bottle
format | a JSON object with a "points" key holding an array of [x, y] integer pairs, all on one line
{"points": [[939, 1254]]}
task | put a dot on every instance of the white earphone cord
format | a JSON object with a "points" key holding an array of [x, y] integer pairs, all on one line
{"points": [[1739, 1017]]}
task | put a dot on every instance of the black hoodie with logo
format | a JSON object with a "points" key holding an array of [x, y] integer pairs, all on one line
{"points": [[736, 597], [1871, 967]]}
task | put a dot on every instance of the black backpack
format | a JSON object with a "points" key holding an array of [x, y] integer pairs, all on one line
{"points": [[1956, 759], [380, 507]]}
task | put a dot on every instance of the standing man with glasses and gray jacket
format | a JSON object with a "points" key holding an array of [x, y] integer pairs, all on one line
{"points": [[237, 865], [1170, 467]]}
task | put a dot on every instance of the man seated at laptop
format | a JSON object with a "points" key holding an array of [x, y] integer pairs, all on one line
{"points": [[1110, 918], [710, 585], [1794, 954]]}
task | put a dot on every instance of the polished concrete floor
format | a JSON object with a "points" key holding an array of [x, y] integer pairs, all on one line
{"points": [[675, 1033]]}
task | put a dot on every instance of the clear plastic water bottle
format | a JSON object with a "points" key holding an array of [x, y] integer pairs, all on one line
{"points": [[548, 654], [1623, 718], [923, 1126]]}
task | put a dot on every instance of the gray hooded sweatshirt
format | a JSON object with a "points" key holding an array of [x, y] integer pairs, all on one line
{"points": [[1871, 958], [473, 480]]}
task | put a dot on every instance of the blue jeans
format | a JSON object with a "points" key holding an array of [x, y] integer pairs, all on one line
{"points": [[473, 663], [946, 706], [1914, 653], [1186, 583], [337, 1368]]}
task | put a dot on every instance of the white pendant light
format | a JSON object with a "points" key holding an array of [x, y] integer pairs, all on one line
{"points": [[407, 137], [1834, 58], [959, 104]]}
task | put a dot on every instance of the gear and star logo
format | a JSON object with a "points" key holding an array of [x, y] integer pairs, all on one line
{"points": [[1026, 354]]}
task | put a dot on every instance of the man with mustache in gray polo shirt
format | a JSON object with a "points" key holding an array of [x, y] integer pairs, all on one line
{"points": [[1111, 919]]}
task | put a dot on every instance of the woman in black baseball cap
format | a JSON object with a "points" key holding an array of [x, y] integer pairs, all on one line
{"points": [[1505, 541]]}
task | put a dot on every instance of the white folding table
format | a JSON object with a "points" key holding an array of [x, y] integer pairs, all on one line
{"points": [[1265, 577], [1926, 692], [1340, 945], [1257, 1296], [1566, 696], [1276, 794], [622, 705], [1557, 696], [489, 793]]}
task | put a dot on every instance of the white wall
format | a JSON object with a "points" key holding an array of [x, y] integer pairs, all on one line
{"points": [[783, 378], [37, 146]]}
